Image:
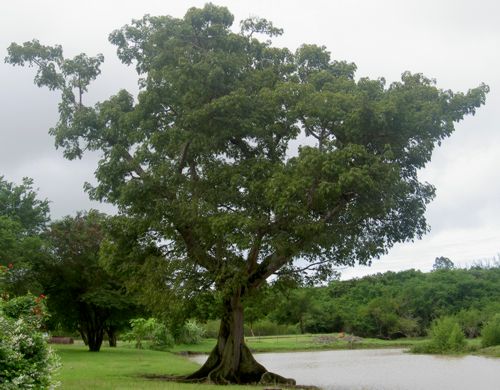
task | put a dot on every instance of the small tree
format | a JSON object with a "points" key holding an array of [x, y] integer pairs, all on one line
{"points": [[152, 330], [200, 160]]}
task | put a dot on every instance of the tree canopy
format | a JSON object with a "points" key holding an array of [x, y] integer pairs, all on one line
{"points": [[202, 157]]}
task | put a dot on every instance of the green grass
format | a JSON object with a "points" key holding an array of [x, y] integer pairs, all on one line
{"points": [[122, 368]]}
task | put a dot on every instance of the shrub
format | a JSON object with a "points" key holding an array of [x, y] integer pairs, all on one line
{"points": [[491, 332], [162, 339], [26, 361], [446, 337], [32, 309], [191, 333]]}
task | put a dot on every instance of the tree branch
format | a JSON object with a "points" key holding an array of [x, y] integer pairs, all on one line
{"points": [[254, 253], [309, 266], [195, 251], [182, 160], [137, 167]]}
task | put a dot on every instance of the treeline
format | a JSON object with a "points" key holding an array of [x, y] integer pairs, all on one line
{"points": [[389, 305]]}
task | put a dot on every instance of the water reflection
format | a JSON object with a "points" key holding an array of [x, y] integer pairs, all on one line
{"points": [[383, 369]]}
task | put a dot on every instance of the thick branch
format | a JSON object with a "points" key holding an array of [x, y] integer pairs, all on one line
{"points": [[276, 260], [137, 167], [195, 251], [246, 150], [254, 253], [269, 266]]}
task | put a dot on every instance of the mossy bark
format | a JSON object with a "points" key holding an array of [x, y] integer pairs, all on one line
{"points": [[231, 361]]}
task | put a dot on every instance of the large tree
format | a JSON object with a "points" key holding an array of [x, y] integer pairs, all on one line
{"points": [[202, 158]]}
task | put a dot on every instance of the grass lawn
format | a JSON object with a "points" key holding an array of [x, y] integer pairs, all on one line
{"points": [[122, 368]]}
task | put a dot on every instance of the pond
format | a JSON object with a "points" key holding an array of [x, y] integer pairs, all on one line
{"points": [[383, 369]]}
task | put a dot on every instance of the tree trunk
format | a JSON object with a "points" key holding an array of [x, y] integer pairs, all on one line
{"points": [[93, 332], [231, 360], [84, 336], [94, 338], [92, 326], [111, 332]]}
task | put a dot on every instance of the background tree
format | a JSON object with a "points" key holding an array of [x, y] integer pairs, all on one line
{"points": [[296, 305], [23, 218], [81, 294], [202, 159], [442, 262]]}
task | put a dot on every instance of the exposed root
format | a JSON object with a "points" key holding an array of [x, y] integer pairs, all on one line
{"points": [[268, 378]]}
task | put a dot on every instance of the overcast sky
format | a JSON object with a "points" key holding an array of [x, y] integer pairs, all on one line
{"points": [[457, 42]]}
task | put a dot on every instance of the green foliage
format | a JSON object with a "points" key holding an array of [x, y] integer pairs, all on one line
{"points": [[20, 204], [491, 332], [266, 327], [23, 218], [28, 307], [391, 305], [211, 328], [152, 330], [442, 263], [162, 339], [82, 295], [299, 304], [191, 333], [471, 321], [141, 328], [262, 327], [446, 337]]}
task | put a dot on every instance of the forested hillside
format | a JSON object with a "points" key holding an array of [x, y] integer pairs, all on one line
{"points": [[388, 305]]}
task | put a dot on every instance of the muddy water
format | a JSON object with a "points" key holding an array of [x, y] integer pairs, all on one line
{"points": [[383, 369]]}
